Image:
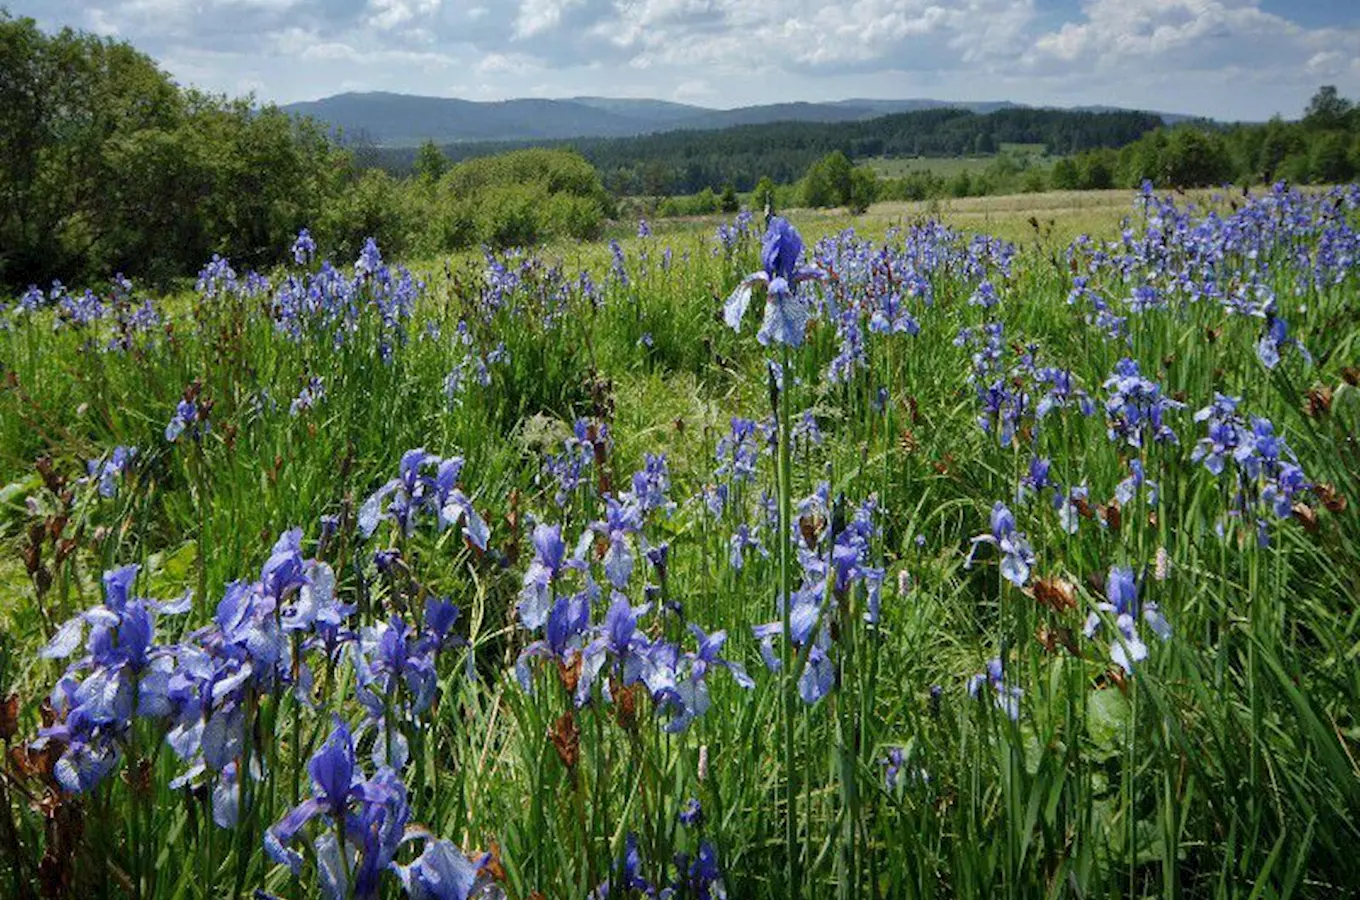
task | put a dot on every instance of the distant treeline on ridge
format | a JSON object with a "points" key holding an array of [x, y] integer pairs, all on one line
{"points": [[685, 162]]}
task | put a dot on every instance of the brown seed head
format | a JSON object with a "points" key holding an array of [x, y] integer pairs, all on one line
{"points": [[1055, 593], [566, 739], [1319, 401]]}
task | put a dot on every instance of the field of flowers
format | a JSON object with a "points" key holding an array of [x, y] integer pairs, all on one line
{"points": [[733, 567]]}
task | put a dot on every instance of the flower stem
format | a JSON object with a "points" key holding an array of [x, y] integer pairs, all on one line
{"points": [[792, 879]]}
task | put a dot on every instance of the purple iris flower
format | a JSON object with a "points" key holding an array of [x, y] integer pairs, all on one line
{"points": [[629, 871], [702, 877], [818, 676], [440, 872], [371, 812], [123, 674], [1224, 433], [692, 813], [1121, 592], [550, 559], [891, 317], [621, 638], [389, 657], [1136, 408], [1276, 338], [415, 490], [1007, 695], [1017, 557], [651, 484], [743, 539], [622, 518], [786, 309], [564, 637], [107, 472], [678, 682], [187, 418], [892, 767], [304, 248], [1037, 478], [436, 634], [1127, 489]]}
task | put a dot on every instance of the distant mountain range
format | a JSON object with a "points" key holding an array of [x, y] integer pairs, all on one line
{"points": [[403, 120]]}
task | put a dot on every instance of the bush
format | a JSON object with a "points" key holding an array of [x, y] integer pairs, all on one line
{"points": [[863, 189]]}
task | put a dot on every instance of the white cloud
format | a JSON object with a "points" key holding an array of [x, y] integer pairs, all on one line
{"points": [[504, 63], [388, 14], [1219, 57], [539, 16]]}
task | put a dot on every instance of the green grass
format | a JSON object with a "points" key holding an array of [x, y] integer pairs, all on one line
{"points": [[1224, 766]]}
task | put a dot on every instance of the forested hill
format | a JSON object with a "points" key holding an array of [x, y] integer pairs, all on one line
{"points": [[403, 120], [689, 161]]}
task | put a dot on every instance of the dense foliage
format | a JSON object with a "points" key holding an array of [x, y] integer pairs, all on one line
{"points": [[109, 167], [960, 572], [1321, 148]]}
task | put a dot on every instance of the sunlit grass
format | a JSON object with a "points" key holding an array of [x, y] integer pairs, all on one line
{"points": [[1222, 765]]}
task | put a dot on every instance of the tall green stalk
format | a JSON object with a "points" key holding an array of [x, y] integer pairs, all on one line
{"points": [[793, 883]]}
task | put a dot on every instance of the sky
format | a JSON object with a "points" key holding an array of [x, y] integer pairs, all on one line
{"points": [[1229, 59]]}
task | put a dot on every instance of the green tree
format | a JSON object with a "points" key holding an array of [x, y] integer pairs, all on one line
{"points": [[1033, 180], [839, 173], [1279, 142], [1195, 158], [109, 166], [431, 163], [730, 204], [1331, 162], [656, 179], [764, 197], [815, 190], [1097, 170], [863, 189], [828, 181], [1327, 109], [1065, 175]]}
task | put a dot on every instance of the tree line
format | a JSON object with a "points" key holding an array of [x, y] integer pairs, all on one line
{"points": [[1322, 147], [107, 166], [687, 162]]}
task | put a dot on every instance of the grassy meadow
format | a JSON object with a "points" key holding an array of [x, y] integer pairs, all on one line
{"points": [[1003, 547]]}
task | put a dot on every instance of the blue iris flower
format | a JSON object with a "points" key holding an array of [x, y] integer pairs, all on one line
{"points": [[567, 624], [440, 872], [1121, 592], [550, 560], [123, 675], [371, 813], [1007, 695], [786, 309], [107, 472], [1017, 558]]}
